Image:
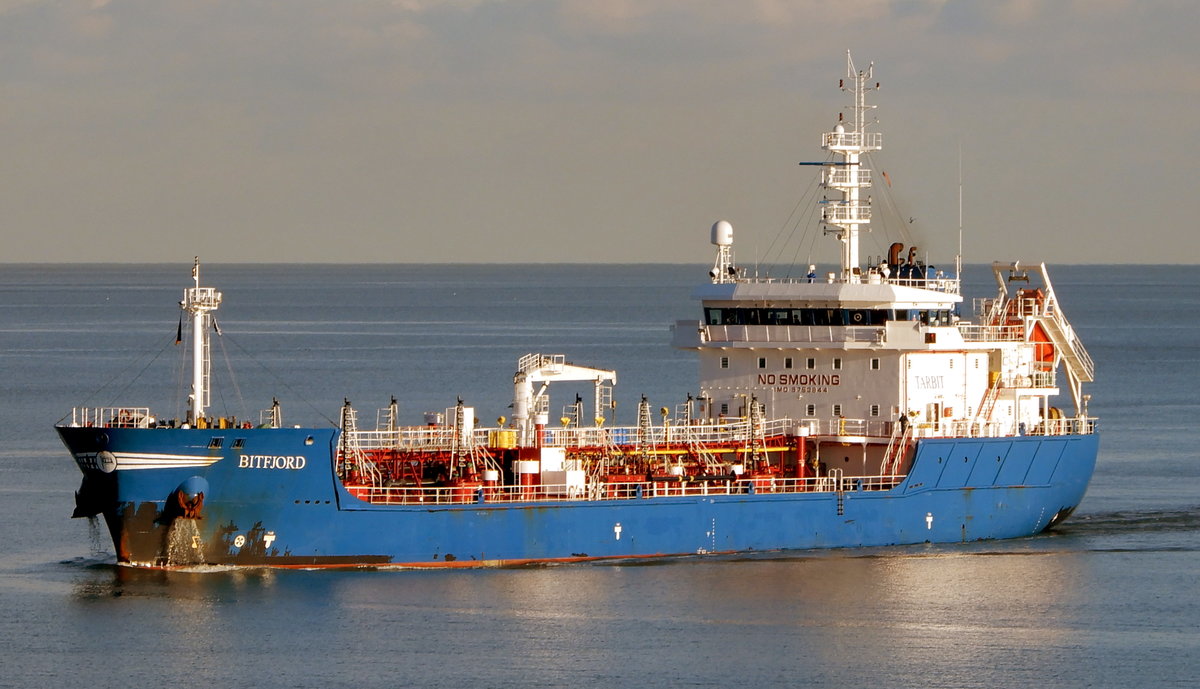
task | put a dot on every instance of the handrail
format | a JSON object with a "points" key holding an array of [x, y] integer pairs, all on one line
{"points": [[655, 487], [972, 332], [436, 438], [112, 417], [793, 333]]}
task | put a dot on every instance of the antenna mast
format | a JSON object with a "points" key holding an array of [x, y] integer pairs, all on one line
{"points": [[845, 215], [958, 257], [200, 302]]}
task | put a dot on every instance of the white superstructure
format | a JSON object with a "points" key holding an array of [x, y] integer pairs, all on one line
{"points": [[869, 354]]}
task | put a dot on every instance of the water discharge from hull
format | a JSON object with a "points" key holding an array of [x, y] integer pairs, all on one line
{"points": [[184, 544]]}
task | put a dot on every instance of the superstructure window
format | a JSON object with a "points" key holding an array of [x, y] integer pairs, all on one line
{"points": [[811, 316], [874, 410], [810, 363], [724, 362], [810, 410], [875, 364], [762, 362], [216, 443], [837, 364], [932, 317], [837, 410], [787, 362]]}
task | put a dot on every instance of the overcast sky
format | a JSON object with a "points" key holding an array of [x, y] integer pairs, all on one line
{"points": [[595, 130]]}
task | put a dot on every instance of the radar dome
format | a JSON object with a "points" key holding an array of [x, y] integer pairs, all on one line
{"points": [[722, 233]]}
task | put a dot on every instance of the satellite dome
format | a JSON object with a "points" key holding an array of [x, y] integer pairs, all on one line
{"points": [[722, 233]]}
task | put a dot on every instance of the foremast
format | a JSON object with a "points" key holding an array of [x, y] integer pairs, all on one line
{"points": [[845, 216], [200, 303]]}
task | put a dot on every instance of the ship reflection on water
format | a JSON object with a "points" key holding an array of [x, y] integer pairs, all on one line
{"points": [[762, 619]]}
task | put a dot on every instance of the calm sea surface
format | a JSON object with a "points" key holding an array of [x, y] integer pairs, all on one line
{"points": [[1108, 599]]}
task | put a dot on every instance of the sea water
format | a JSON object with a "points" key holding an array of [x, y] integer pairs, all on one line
{"points": [[1107, 599]]}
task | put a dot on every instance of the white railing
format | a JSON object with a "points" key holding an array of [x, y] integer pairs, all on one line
{"points": [[860, 140], [856, 213], [442, 438], [112, 417], [801, 334], [848, 427], [991, 333], [1072, 426], [947, 285], [967, 428], [655, 487], [845, 177], [950, 428]]}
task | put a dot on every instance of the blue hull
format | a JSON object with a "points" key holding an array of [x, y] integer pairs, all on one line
{"points": [[284, 506]]}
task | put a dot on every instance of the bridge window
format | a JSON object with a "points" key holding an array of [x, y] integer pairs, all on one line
{"points": [[820, 317]]}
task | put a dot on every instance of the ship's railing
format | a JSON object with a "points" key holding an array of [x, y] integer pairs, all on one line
{"points": [[991, 333], [441, 438], [430, 438], [1072, 426], [848, 427], [844, 214], [964, 428], [705, 433], [856, 140], [112, 417], [935, 282], [793, 333], [948, 428], [655, 487]]}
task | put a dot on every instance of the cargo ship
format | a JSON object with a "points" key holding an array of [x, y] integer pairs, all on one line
{"points": [[850, 407]]}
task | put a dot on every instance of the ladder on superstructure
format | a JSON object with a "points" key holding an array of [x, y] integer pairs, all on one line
{"points": [[988, 405], [896, 448]]}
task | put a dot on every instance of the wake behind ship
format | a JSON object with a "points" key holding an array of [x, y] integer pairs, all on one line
{"points": [[847, 407]]}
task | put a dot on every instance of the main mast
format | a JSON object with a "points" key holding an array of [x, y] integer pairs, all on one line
{"points": [[844, 216], [200, 302]]}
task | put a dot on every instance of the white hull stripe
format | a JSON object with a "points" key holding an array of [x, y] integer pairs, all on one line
{"points": [[142, 460]]}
